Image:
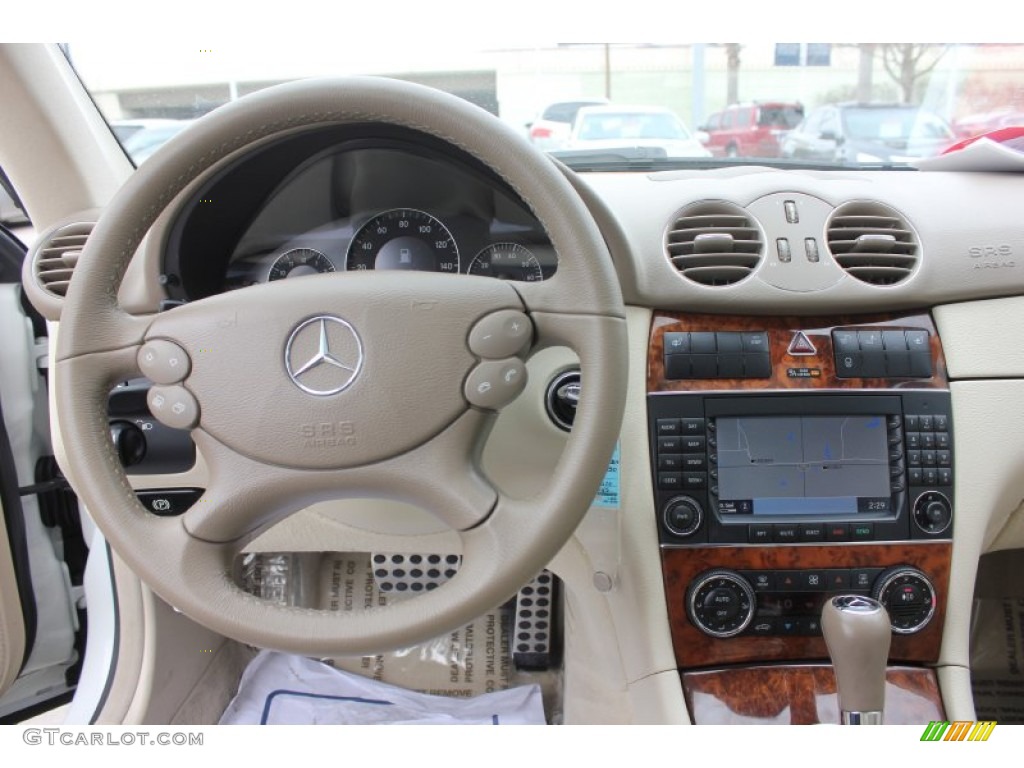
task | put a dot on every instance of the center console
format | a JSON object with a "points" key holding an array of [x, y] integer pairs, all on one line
{"points": [[794, 459]]}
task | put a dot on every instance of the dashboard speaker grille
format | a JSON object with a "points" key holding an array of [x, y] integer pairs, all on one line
{"points": [[873, 243], [55, 259], [714, 243]]}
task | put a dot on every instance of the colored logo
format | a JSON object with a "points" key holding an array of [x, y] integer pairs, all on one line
{"points": [[959, 730]]}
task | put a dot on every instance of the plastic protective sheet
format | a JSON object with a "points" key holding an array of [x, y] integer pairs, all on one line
{"points": [[472, 660], [997, 659]]}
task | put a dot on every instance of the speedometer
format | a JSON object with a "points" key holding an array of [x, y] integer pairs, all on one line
{"points": [[404, 239]]}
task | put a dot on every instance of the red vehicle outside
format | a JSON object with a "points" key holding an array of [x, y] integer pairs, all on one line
{"points": [[751, 130]]}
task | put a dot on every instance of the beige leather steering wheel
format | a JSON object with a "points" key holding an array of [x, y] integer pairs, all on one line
{"points": [[399, 411]]}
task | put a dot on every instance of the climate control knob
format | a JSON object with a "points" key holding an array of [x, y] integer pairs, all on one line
{"points": [[720, 603], [908, 596], [682, 515]]}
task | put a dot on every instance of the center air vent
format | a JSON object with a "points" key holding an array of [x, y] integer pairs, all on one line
{"points": [[714, 243], [872, 242]]}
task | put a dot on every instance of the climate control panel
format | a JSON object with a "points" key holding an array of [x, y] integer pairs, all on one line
{"points": [[723, 603]]}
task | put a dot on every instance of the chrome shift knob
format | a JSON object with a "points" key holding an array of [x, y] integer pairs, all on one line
{"points": [[857, 633]]}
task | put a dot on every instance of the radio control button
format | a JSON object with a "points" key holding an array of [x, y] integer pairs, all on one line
{"points": [[914, 458], [837, 531], [693, 481], [931, 476], [669, 445], [913, 423], [692, 426], [812, 532], [942, 440], [694, 462], [862, 531], [913, 441], [668, 427], [927, 423], [916, 476], [683, 516], [670, 481], [945, 476], [932, 513], [786, 534], [693, 444], [670, 462], [941, 422], [943, 458], [928, 440], [759, 534]]}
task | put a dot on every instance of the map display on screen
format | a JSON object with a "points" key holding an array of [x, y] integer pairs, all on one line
{"points": [[803, 464]]}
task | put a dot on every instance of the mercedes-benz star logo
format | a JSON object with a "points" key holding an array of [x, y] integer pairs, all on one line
{"points": [[323, 356]]}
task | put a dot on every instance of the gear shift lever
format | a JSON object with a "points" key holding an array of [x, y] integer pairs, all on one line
{"points": [[857, 634]]}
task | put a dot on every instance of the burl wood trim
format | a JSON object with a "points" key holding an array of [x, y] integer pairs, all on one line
{"points": [[780, 333], [802, 695], [695, 649]]}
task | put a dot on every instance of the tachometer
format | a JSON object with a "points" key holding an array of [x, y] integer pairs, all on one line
{"points": [[507, 261], [298, 262], [404, 239]]}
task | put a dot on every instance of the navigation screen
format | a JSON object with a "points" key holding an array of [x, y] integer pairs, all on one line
{"points": [[786, 465]]}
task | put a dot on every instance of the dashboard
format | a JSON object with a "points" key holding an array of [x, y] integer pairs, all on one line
{"points": [[773, 309], [335, 202]]}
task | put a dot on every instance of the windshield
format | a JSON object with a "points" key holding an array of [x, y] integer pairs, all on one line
{"points": [[630, 125], [874, 124], [747, 99]]}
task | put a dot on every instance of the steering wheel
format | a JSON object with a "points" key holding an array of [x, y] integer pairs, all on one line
{"points": [[357, 385]]}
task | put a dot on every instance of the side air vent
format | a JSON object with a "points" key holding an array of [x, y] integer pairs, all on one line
{"points": [[873, 243], [56, 258], [714, 243]]}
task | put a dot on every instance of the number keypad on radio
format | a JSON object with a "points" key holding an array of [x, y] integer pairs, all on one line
{"points": [[929, 449]]}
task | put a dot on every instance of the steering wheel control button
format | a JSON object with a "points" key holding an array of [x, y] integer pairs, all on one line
{"points": [[173, 406], [171, 502], [323, 355], [129, 441], [494, 384], [163, 362], [500, 334]]}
